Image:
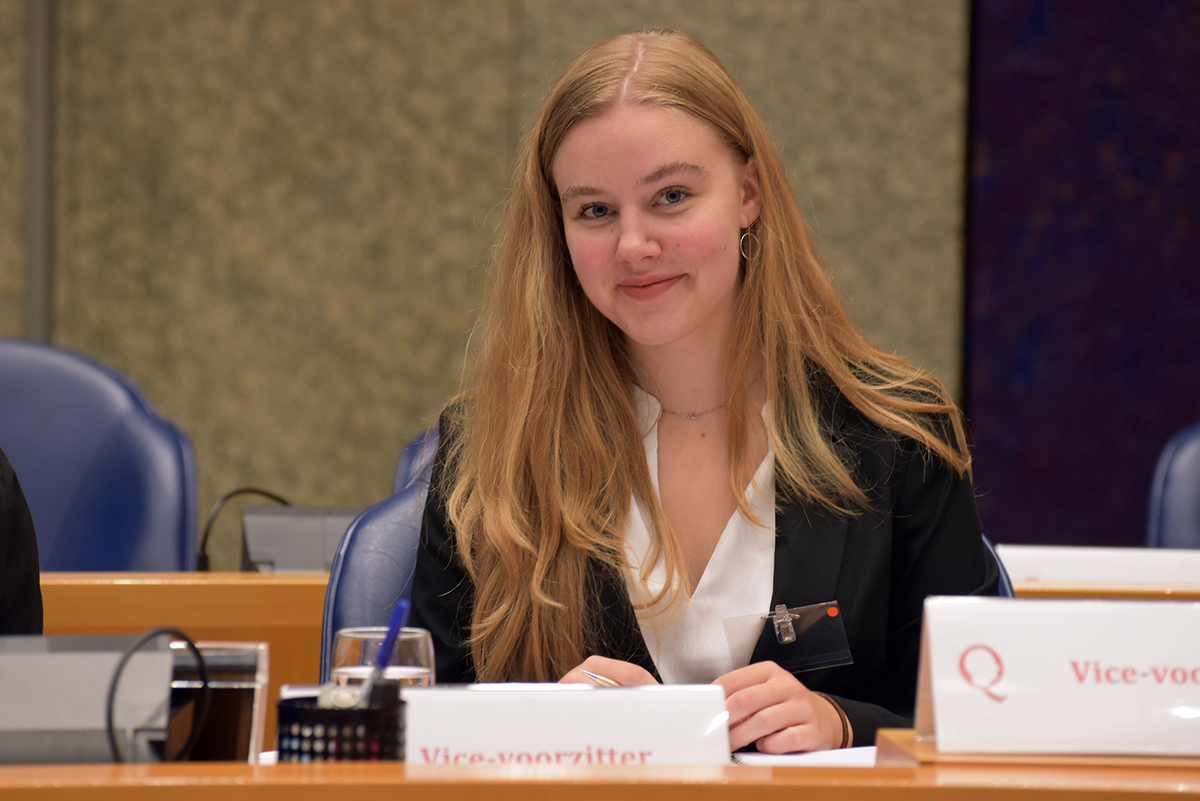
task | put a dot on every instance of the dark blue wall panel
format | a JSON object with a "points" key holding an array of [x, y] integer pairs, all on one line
{"points": [[1083, 260]]}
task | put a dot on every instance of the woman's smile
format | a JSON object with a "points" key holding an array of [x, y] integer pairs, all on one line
{"points": [[649, 287]]}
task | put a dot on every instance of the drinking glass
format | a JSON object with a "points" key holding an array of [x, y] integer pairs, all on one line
{"points": [[355, 651]]}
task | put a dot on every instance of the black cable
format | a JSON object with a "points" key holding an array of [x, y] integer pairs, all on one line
{"points": [[202, 557], [202, 706]]}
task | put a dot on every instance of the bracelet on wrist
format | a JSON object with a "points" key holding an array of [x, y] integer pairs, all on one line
{"points": [[842, 717]]}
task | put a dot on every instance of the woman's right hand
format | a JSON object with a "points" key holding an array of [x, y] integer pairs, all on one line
{"points": [[626, 674]]}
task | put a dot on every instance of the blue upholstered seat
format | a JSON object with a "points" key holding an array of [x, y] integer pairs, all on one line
{"points": [[373, 566], [111, 484], [416, 461], [1174, 520], [1006, 587]]}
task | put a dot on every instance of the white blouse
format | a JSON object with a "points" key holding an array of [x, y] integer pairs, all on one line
{"points": [[715, 630]]}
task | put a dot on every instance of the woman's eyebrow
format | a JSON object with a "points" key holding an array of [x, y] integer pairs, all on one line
{"points": [[673, 168], [573, 192]]}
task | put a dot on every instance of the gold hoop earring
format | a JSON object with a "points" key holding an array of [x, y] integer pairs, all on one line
{"points": [[752, 237]]}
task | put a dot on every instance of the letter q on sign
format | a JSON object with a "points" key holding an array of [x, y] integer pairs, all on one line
{"points": [[982, 668]]}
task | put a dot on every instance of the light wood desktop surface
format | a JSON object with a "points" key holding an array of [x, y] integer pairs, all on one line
{"points": [[1124, 592], [281, 609], [379, 781], [286, 610]]}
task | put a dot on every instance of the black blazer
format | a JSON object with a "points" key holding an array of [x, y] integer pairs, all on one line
{"points": [[20, 587], [921, 536]]}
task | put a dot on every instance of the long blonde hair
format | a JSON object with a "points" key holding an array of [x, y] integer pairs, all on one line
{"points": [[546, 453]]}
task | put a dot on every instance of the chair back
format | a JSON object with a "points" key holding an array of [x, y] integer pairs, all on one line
{"points": [[111, 485], [1006, 585], [417, 460], [1174, 520], [375, 560]]}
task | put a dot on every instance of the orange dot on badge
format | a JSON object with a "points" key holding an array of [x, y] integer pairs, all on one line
{"points": [[832, 611]]}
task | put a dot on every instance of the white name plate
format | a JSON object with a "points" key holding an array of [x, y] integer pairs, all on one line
{"points": [[566, 724], [1011, 676], [1088, 564]]}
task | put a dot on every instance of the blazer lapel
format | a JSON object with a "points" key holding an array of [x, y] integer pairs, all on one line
{"points": [[809, 544], [619, 634], [808, 558]]}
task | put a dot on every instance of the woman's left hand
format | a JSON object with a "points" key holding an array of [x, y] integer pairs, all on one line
{"points": [[770, 707]]}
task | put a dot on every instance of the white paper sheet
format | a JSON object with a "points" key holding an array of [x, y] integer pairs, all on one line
{"points": [[860, 757]]}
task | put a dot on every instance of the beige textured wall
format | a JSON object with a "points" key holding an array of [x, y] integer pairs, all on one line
{"points": [[12, 168], [274, 214], [269, 212]]}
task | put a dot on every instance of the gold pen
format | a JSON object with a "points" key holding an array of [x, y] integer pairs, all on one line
{"points": [[602, 681]]}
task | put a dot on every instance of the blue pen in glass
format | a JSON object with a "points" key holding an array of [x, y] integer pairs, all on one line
{"points": [[399, 618]]}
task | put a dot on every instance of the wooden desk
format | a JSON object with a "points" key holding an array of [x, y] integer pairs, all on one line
{"points": [[282, 609], [1122, 592], [390, 781]]}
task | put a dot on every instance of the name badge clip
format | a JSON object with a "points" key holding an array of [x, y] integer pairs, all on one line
{"points": [[814, 635], [785, 632]]}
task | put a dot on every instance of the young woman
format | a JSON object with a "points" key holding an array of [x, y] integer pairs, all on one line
{"points": [[671, 427]]}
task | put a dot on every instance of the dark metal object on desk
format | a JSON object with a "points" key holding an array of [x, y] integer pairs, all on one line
{"points": [[308, 733]]}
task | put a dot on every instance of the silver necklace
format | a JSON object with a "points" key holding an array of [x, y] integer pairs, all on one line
{"points": [[695, 415]]}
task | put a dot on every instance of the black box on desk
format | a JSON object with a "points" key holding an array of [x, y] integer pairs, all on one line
{"points": [[52, 705]]}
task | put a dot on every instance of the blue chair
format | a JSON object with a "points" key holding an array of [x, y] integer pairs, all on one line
{"points": [[416, 461], [374, 563], [111, 485], [1006, 587], [1174, 520]]}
